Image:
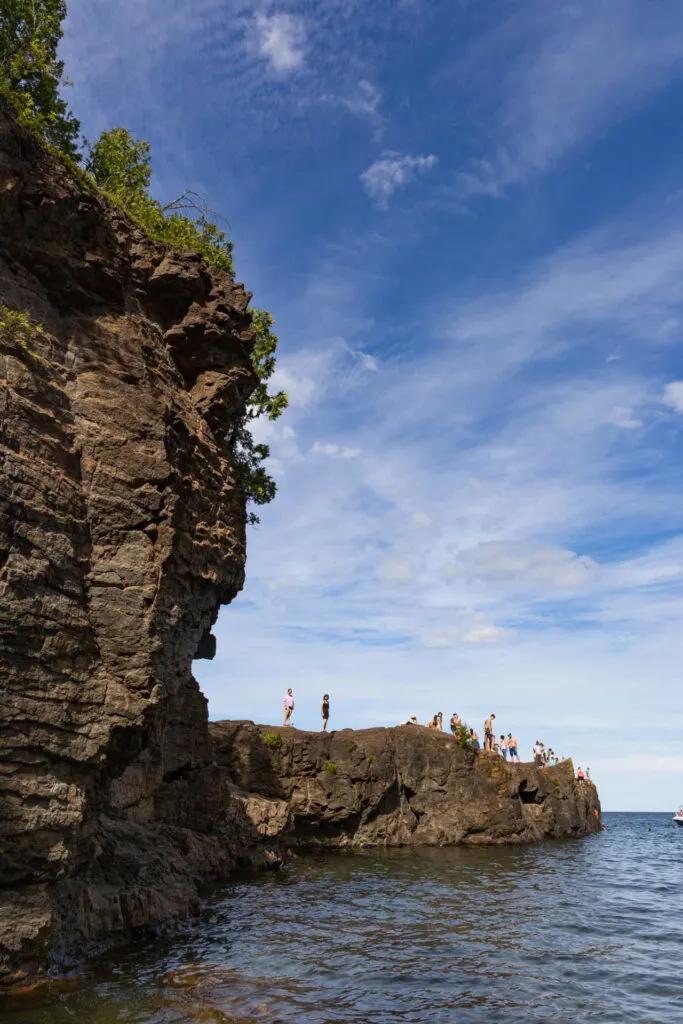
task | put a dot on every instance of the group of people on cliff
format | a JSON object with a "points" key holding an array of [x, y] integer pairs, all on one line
{"points": [[506, 746]]}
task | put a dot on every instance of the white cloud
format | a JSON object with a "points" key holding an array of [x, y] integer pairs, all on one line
{"points": [[673, 395], [282, 39], [395, 571], [339, 451], [475, 631], [369, 362], [363, 102], [393, 171], [526, 564], [623, 417], [421, 520]]}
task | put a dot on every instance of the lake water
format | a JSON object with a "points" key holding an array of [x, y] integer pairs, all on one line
{"points": [[583, 930]]}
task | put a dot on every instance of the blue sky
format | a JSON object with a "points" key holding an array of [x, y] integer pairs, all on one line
{"points": [[467, 219]]}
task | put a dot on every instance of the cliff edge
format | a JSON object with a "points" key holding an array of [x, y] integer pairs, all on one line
{"points": [[405, 786], [121, 534]]}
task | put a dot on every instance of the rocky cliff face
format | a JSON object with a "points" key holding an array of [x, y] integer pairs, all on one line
{"points": [[394, 787], [121, 534]]}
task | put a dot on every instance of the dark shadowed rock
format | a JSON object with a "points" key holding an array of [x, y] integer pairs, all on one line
{"points": [[121, 534], [405, 786]]}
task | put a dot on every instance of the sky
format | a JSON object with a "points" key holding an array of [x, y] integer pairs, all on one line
{"points": [[467, 219]]}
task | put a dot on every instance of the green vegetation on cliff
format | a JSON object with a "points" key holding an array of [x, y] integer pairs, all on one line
{"points": [[31, 75], [120, 166]]}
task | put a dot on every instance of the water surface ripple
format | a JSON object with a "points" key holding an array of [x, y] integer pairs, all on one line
{"points": [[576, 931]]}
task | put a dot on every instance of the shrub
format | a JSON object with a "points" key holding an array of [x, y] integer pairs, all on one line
{"points": [[272, 739], [462, 736], [372, 759], [16, 329], [330, 767]]}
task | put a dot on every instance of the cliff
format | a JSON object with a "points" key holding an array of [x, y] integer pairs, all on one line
{"points": [[121, 534], [394, 787]]}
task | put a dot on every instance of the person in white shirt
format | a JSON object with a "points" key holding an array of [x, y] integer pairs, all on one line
{"points": [[289, 707]]}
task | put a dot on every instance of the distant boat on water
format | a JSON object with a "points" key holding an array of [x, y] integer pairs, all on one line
{"points": [[678, 817]]}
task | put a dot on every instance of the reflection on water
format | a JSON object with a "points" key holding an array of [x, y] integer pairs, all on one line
{"points": [[574, 931]]}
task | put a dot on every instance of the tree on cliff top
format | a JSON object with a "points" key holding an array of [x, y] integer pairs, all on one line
{"points": [[121, 167], [30, 78], [30, 74]]}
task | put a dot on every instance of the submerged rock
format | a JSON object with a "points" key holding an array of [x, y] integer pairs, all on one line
{"points": [[406, 786]]}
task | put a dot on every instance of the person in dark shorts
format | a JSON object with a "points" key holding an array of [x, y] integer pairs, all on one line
{"points": [[489, 738], [325, 710], [474, 740]]}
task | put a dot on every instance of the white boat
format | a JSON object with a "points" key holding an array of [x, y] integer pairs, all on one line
{"points": [[678, 817]]}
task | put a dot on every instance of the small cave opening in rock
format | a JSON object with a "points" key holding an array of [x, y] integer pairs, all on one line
{"points": [[528, 795]]}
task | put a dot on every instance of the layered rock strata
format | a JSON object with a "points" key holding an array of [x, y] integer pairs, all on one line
{"points": [[121, 534], [405, 786]]}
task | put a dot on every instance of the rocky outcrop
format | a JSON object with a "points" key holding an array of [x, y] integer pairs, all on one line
{"points": [[121, 534], [394, 787]]}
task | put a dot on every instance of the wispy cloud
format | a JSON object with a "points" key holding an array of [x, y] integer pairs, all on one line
{"points": [[393, 171], [557, 90], [281, 40], [338, 451], [364, 101]]}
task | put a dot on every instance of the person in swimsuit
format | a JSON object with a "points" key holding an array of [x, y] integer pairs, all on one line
{"points": [[455, 723], [512, 748], [434, 723], [325, 710], [439, 721], [289, 707], [474, 740], [489, 738]]}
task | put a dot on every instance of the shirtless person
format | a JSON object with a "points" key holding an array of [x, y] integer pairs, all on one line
{"points": [[289, 707], [512, 748], [488, 733]]}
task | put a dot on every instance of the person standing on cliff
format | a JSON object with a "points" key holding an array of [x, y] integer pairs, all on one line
{"points": [[489, 738], [289, 707], [455, 723], [325, 710], [512, 748], [503, 747]]}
